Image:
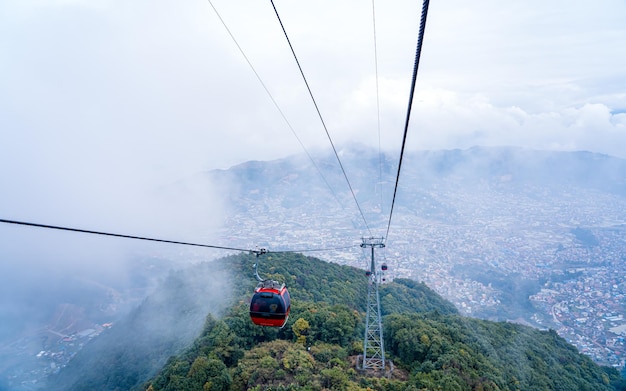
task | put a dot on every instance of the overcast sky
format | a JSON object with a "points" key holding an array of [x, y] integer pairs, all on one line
{"points": [[117, 98]]}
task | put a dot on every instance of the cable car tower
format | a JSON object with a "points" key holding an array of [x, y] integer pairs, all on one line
{"points": [[373, 345]]}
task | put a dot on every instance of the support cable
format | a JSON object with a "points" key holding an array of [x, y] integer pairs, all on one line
{"points": [[380, 163], [321, 118], [418, 52], [313, 249], [85, 231]]}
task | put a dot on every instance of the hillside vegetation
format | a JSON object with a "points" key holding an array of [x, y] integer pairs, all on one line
{"points": [[431, 346]]}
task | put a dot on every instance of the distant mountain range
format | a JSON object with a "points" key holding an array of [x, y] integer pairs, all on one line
{"points": [[267, 203], [298, 182]]}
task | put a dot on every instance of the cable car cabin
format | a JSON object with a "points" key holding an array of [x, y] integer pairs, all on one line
{"points": [[270, 304]]}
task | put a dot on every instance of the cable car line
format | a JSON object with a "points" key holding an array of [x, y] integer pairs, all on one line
{"points": [[258, 251], [380, 163], [280, 111], [321, 118], [85, 231], [418, 52], [313, 249], [261, 251]]}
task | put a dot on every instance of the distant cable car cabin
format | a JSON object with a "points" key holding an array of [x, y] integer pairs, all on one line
{"points": [[384, 267], [270, 305]]}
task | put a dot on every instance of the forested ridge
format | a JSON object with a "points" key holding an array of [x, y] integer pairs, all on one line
{"points": [[170, 343], [430, 345]]}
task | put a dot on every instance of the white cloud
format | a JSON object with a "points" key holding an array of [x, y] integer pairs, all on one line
{"points": [[445, 118]]}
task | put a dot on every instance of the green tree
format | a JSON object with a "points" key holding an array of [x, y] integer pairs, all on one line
{"points": [[301, 330], [209, 374]]}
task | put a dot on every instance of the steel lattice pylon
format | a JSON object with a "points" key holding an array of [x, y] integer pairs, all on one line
{"points": [[373, 344]]}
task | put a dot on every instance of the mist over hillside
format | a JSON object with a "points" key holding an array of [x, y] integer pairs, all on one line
{"points": [[508, 168], [168, 320], [487, 190], [433, 186]]}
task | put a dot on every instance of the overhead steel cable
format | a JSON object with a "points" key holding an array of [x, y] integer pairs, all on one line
{"points": [[321, 118], [280, 111], [92, 232], [418, 52], [380, 163], [85, 231], [314, 249]]}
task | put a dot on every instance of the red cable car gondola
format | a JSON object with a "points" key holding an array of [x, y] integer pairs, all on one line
{"points": [[270, 304]]}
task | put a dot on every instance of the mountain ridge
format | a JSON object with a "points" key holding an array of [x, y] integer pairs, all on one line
{"points": [[424, 336], [430, 343]]}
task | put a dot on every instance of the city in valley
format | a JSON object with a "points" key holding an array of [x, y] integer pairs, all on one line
{"points": [[43, 351]]}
